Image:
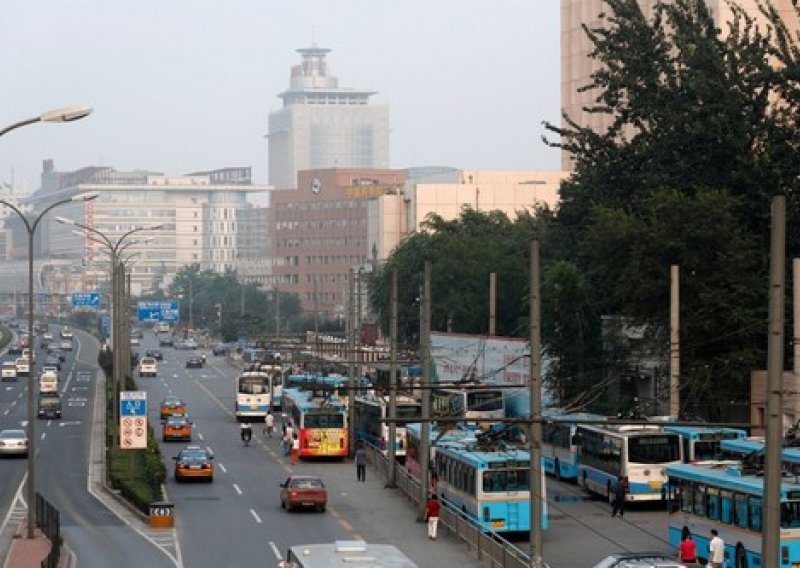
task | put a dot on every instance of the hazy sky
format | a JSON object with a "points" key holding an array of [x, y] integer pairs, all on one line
{"points": [[186, 85]]}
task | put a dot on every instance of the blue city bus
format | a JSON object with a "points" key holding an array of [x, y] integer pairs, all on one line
{"points": [[739, 449], [370, 414], [638, 454], [436, 440], [719, 496], [491, 488], [559, 452], [701, 443]]}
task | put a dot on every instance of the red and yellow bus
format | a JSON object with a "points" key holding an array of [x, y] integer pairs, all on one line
{"points": [[321, 422]]}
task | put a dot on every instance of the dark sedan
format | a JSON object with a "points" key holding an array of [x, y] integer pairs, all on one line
{"points": [[194, 363], [155, 354]]}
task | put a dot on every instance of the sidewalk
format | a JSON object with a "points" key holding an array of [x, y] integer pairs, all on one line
{"points": [[28, 553]]}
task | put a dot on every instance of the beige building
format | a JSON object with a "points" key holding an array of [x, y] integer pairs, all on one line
{"points": [[446, 191], [577, 67]]}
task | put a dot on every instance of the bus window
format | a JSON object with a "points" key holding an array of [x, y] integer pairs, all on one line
{"points": [[699, 506], [726, 506], [790, 515], [740, 510], [754, 508], [712, 503], [686, 497], [494, 481]]}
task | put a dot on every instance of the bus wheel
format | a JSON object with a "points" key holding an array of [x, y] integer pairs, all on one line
{"points": [[557, 467], [740, 559]]}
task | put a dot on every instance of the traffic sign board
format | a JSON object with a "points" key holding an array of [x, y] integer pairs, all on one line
{"points": [[133, 419], [168, 311], [90, 300]]}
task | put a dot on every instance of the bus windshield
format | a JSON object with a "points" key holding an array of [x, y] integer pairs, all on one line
{"points": [[253, 385], [496, 481], [483, 401], [323, 420], [653, 449]]}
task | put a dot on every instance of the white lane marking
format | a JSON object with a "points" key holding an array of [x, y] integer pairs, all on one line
{"points": [[255, 516], [222, 467], [6, 411], [13, 403], [48, 423], [209, 450], [200, 436], [275, 551], [236, 487], [19, 395], [43, 435]]}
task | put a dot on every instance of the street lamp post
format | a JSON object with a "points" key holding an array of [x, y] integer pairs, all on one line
{"points": [[119, 311], [31, 228], [66, 114]]}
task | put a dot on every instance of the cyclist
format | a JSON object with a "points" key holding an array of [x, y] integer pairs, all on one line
{"points": [[246, 433]]}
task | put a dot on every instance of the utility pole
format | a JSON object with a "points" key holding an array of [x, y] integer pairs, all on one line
{"points": [[351, 395], [116, 286], [492, 303], [425, 355], [393, 384], [359, 352], [796, 319], [535, 433], [277, 313], [770, 535], [674, 342]]}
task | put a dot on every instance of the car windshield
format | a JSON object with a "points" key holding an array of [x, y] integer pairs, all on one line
{"points": [[194, 455], [177, 421], [306, 483], [12, 435]]}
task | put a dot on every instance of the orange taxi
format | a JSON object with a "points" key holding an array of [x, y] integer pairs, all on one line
{"points": [[194, 462], [177, 427], [171, 406]]}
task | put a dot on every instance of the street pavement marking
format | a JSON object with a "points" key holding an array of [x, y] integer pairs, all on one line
{"points": [[255, 516], [13, 403], [222, 467], [19, 395], [48, 423], [43, 435], [209, 450], [200, 436], [236, 487], [275, 550], [347, 526], [224, 408], [5, 412]]}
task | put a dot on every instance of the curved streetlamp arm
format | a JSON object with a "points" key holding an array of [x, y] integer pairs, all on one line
{"points": [[20, 123], [21, 215]]}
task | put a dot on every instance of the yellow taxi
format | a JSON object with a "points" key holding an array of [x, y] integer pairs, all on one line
{"points": [[194, 462], [171, 406], [177, 427]]}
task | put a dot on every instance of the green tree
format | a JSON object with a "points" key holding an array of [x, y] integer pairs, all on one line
{"points": [[684, 175]]}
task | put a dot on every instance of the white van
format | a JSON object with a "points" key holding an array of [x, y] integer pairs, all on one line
{"points": [[48, 382], [9, 371], [148, 367], [161, 327], [23, 366]]}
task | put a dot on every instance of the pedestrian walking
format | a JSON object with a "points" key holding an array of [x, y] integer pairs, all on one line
{"points": [[432, 510], [716, 550], [361, 463], [289, 437], [295, 449], [269, 424], [687, 551], [620, 490]]}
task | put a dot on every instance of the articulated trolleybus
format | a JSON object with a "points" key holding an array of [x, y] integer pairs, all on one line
{"points": [[252, 395], [491, 488], [483, 405], [320, 420], [371, 412], [727, 498], [640, 454], [702, 443]]}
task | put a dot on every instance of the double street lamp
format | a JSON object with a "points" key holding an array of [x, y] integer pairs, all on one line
{"points": [[67, 114], [119, 311]]}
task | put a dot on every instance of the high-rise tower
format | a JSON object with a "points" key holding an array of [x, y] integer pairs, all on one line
{"points": [[322, 125]]}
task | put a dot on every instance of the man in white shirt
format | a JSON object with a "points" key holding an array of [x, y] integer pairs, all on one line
{"points": [[270, 424], [716, 550]]}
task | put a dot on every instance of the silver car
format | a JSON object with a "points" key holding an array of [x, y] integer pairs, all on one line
{"points": [[640, 560], [13, 442]]}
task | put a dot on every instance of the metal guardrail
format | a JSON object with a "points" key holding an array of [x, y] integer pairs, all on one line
{"points": [[488, 546], [48, 520]]}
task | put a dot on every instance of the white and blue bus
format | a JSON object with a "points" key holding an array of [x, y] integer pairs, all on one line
{"points": [[253, 398], [745, 447], [436, 440], [702, 443], [638, 454], [490, 488], [371, 426], [559, 452], [708, 496], [483, 405]]}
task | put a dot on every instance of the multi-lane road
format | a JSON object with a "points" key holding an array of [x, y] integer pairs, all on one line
{"points": [[237, 519]]}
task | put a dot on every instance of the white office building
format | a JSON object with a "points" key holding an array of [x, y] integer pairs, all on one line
{"points": [[322, 125]]}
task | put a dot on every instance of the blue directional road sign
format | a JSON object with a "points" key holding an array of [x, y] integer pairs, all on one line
{"points": [[90, 300], [133, 403], [159, 311]]}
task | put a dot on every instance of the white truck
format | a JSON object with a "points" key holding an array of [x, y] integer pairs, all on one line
{"points": [[23, 366], [148, 367], [8, 372], [48, 382]]}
